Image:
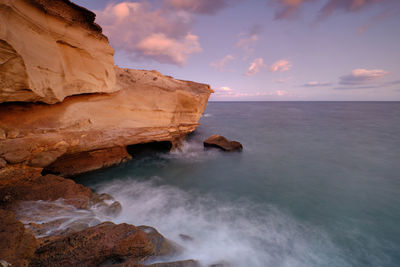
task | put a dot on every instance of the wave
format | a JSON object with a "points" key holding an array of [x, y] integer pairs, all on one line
{"points": [[240, 232]]}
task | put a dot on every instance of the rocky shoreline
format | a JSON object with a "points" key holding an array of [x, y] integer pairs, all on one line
{"points": [[105, 244], [65, 109]]}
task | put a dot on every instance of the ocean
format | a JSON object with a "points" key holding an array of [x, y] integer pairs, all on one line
{"points": [[317, 184]]}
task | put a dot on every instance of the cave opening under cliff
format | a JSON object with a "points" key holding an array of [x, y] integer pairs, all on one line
{"points": [[148, 149]]}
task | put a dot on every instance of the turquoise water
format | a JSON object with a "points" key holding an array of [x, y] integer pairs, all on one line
{"points": [[317, 184]]}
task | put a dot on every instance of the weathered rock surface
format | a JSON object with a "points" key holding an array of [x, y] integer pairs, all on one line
{"points": [[149, 107], [221, 142], [17, 247], [102, 245], [50, 50]]}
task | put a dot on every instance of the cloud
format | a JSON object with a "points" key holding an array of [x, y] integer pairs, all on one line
{"points": [[169, 50], [145, 32], [315, 84], [291, 8], [288, 8], [198, 6], [220, 65], [255, 66], [281, 93], [228, 92], [362, 76], [346, 5], [247, 40], [280, 81], [383, 15], [281, 66]]}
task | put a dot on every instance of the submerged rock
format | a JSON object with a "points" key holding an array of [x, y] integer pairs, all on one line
{"points": [[221, 142], [185, 263], [186, 237]]}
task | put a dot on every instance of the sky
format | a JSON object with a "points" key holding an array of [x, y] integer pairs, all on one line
{"points": [[262, 50]]}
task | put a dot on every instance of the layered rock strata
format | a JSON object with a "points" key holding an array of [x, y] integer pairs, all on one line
{"points": [[149, 107]]}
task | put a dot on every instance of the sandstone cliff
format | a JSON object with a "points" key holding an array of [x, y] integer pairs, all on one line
{"points": [[50, 50], [53, 49], [52, 55], [149, 107]]}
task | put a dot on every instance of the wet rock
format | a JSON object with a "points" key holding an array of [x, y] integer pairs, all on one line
{"points": [[2, 134], [221, 264], [14, 133], [100, 245], [3, 163], [162, 246], [17, 247], [23, 184], [186, 263], [3, 263], [186, 237], [221, 142], [106, 204]]}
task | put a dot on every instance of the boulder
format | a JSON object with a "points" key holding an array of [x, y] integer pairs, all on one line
{"points": [[102, 245], [221, 142], [17, 247]]}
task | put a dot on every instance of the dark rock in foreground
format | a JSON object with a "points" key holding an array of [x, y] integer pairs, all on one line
{"points": [[17, 247], [221, 142], [103, 245], [187, 263]]}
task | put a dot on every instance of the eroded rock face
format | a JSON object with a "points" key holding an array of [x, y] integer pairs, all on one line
{"points": [[88, 161], [17, 247], [149, 107], [222, 143], [50, 50]]}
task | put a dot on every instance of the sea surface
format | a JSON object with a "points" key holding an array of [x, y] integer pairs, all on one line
{"points": [[317, 184]]}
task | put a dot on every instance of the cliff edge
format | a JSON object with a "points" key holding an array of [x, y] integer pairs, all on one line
{"points": [[52, 51]]}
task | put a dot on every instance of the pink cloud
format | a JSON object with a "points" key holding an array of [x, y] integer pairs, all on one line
{"points": [[255, 66], [145, 32], [220, 64], [280, 66], [362, 76], [248, 39], [345, 5], [316, 84], [167, 50], [288, 8]]}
